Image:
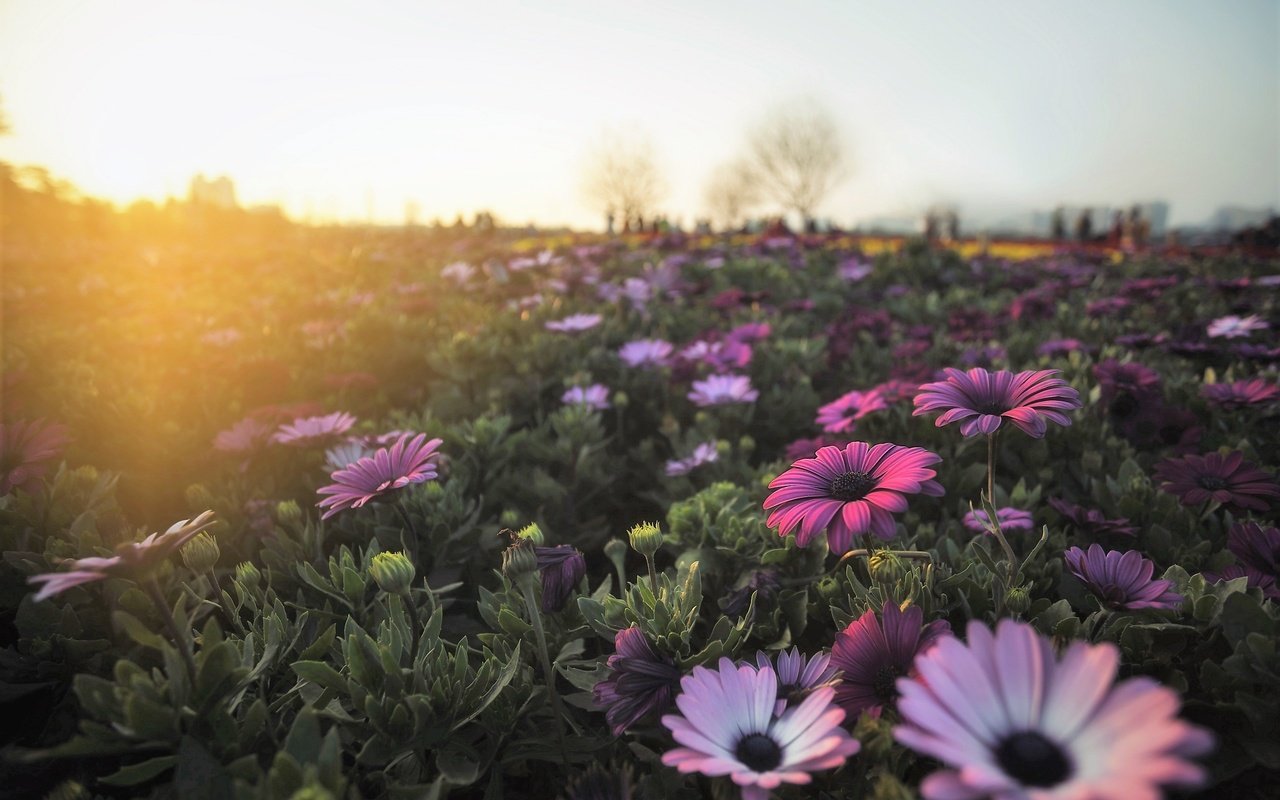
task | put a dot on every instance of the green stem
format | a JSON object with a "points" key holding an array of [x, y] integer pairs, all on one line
{"points": [[535, 619], [991, 500], [991, 469], [653, 575], [414, 623], [166, 615], [412, 544]]}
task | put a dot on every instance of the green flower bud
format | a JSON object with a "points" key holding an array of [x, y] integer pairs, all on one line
{"points": [[723, 448], [198, 496], [886, 567], [248, 574], [201, 553], [1018, 599], [312, 792], [620, 400], [289, 512], [393, 572], [646, 538], [509, 518], [434, 491], [747, 445], [532, 533], [828, 588], [519, 561], [616, 550]]}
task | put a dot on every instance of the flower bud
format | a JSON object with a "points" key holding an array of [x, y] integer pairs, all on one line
{"points": [[248, 574], [886, 567], [616, 551], [723, 448], [646, 538], [289, 512], [533, 533], [201, 553], [393, 572], [519, 560], [746, 445], [509, 518], [1018, 599], [620, 400]]}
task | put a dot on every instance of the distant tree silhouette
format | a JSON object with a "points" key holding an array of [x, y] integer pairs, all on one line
{"points": [[731, 190], [797, 153], [621, 176]]}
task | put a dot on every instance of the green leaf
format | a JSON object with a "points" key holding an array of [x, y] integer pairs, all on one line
{"points": [[321, 645], [458, 766], [321, 674], [199, 775], [303, 741], [135, 774], [138, 632]]}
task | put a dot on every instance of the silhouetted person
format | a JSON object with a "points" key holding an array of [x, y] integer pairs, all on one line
{"points": [[930, 226], [1139, 227], [1118, 233], [953, 226], [1084, 226], [608, 221], [1058, 224]]}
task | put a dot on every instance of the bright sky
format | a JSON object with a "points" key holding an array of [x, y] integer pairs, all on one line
{"points": [[329, 107]]}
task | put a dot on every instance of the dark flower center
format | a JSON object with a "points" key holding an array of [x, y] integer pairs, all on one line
{"points": [[993, 408], [1033, 760], [759, 753], [886, 683], [852, 486], [1211, 482]]}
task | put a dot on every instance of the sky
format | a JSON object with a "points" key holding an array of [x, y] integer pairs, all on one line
{"points": [[336, 110]]}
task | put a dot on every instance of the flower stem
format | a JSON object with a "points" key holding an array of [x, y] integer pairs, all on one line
{"points": [[991, 469], [412, 544], [414, 623], [166, 615], [535, 619], [994, 521], [653, 575]]}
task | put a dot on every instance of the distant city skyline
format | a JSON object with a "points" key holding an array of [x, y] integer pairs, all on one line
{"points": [[332, 111]]}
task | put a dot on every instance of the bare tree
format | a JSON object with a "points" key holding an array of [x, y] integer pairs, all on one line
{"points": [[796, 150], [731, 190], [621, 177]]}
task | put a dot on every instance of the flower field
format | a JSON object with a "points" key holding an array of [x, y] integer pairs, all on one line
{"points": [[340, 513]]}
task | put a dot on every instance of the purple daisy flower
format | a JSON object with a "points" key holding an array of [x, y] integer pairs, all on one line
{"points": [[1091, 520], [1241, 394], [849, 492], [307, 431], [840, 414], [1256, 546], [1256, 579], [1235, 327], [646, 353], [245, 436], [704, 453], [575, 323], [408, 461], [595, 396], [1061, 347], [562, 568], [1012, 721], [798, 675], [727, 726], [1010, 519], [718, 390], [1229, 480], [26, 451], [1121, 580], [984, 399], [873, 653], [641, 683]]}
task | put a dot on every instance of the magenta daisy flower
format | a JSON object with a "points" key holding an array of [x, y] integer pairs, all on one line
{"points": [[408, 461], [1229, 480], [1010, 519], [130, 559], [1091, 520], [718, 390], [575, 323], [798, 675], [595, 396], [26, 450], [645, 353], [984, 399], [849, 492], [1012, 721], [840, 414], [1121, 580], [1241, 394], [640, 683], [873, 653], [308, 431], [727, 726]]}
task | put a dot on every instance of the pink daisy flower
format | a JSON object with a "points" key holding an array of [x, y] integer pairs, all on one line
{"points": [[849, 492], [595, 396], [26, 451], [727, 726], [645, 353], [1236, 327], [872, 654], [308, 431], [984, 399], [840, 414], [408, 461], [1241, 394], [1010, 519], [798, 675], [1012, 721], [718, 390], [245, 436], [1121, 579], [704, 453], [574, 323]]}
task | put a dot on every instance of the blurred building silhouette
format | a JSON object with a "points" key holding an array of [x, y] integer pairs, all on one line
{"points": [[219, 192]]}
